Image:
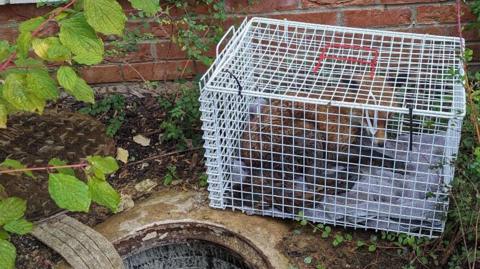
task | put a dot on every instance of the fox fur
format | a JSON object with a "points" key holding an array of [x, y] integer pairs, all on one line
{"points": [[288, 139]]}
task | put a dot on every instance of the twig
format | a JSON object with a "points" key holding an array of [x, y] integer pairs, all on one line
{"points": [[52, 16], [50, 167], [160, 156]]}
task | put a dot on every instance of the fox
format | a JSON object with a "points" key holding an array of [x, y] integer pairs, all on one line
{"points": [[291, 138]]}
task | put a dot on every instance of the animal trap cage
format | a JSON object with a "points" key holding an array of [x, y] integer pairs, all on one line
{"points": [[344, 126]]}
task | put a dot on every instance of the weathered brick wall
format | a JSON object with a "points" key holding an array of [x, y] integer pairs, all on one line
{"points": [[159, 59]]}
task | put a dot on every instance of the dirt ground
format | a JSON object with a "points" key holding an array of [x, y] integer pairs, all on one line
{"points": [[144, 116]]}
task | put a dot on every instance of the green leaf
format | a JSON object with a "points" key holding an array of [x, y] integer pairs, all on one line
{"points": [[17, 93], [14, 164], [67, 77], [69, 192], [58, 162], [105, 16], [77, 35], [24, 41], [4, 235], [106, 165], [104, 194], [372, 248], [42, 85], [19, 226], [31, 24], [8, 254], [75, 85], [50, 49], [12, 209], [5, 50], [150, 7], [3, 116]]}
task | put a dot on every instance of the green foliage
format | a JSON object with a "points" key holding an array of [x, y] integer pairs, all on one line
{"points": [[57, 162], [73, 84], [150, 7], [103, 193], [11, 209], [113, 107], [69, 192], [19, 226], [78, 36], [203, 180], [50, 49], [14, 164], [7, 255], [170, 175], [105, 16], [183, 117]]}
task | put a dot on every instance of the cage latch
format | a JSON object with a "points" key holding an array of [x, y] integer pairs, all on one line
{"points": [[240, 88], [372, 127]]}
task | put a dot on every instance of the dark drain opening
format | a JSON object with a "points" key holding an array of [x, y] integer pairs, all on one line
{"points": [[190, 254]]}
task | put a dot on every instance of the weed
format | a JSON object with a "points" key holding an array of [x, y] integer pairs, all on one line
{"points": [[202, 180], [171, 175], [112, 108], [182, 122]]}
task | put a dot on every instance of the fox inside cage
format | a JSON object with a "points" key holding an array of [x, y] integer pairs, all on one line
{"points": [[345, 126]]}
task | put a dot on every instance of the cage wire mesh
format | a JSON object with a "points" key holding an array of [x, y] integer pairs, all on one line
{"points": [[351, 127]]}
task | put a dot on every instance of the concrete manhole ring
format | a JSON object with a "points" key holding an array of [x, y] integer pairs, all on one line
{"points": [[159, 244]]}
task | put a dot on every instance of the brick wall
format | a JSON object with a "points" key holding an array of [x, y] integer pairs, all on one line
{"points": [[159, 59]]}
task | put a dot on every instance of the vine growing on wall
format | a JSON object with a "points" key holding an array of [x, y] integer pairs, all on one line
{"points": [[44, 60]]}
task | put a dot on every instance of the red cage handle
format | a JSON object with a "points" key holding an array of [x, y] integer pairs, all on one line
{"points": [[372, 63]]}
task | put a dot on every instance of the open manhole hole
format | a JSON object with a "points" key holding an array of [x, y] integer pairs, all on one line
{"points": [[190, 254], [189, 245]]}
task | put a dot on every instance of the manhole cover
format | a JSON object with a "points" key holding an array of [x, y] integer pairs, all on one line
{"points": [[191, 254]]}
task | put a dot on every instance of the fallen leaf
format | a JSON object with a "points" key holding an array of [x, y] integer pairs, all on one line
{"points": [[145, 185], [142, 140], [122, 155]]}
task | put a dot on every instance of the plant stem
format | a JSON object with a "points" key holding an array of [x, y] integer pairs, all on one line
{"points": [[52, 16], [50, 167]]}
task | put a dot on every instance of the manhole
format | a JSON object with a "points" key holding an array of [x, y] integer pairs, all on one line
{"points": [[189, 245], [190, 254]]}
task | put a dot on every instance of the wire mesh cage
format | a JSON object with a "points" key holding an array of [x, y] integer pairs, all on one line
{"points": [[351, 127]]}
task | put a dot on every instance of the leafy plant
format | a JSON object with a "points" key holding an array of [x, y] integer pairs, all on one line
{"points": [[68, 192], [182, 121], [203, 180], [113, 107], [170, 175]]}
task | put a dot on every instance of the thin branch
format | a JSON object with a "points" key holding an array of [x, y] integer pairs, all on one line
{"points": [[160, 156], [49, 167]]}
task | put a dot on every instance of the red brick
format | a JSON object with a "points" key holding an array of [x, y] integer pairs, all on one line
{"points": [[443, 30], [317, 17], [8, 33], [410, 1], [102, 73], [165, 70], [335, 3], [16, 13], [377, 17], [141, 53], [262, 6], [433, 14]]}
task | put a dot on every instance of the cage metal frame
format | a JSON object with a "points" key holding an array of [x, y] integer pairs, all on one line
{"points": [[265, 59]]}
